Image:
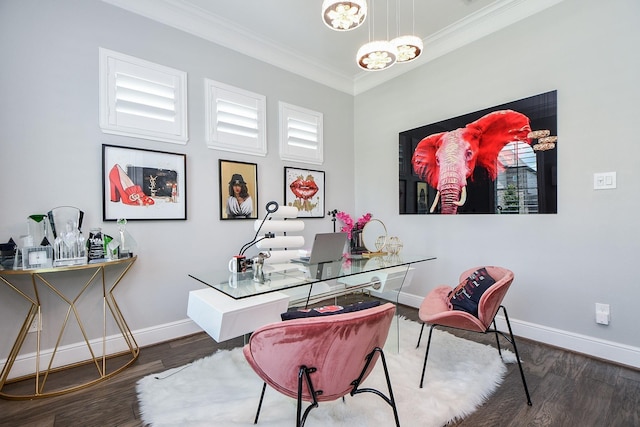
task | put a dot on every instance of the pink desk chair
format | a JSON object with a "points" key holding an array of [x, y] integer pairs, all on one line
{"points": [[324, 358], [436, 310]]}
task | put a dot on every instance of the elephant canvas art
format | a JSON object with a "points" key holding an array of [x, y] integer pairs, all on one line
{"points": [[447, 159], [463, 161]]}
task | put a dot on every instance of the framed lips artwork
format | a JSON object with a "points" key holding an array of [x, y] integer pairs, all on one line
{"points": [[304, 189]]}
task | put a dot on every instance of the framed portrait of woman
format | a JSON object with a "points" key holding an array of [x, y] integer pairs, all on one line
{"points": [[238, 190]]}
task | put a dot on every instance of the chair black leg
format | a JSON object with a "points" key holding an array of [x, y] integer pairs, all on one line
{"points": [[299, 408], [264, 387], [390, 399], [495, 331], [515, 349], [304, 374], [420, 336], [426, 355]]}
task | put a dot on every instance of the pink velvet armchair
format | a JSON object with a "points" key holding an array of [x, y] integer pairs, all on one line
{"points": [[436, 310], [321, 358]]}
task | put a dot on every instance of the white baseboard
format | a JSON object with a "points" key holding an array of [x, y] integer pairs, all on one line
{"points": [[167, 332], [595, 347], [410, 300], [602, 349], [25, 364]]}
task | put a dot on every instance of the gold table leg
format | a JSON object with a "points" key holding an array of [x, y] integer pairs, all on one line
{"points": [[110, 310]]}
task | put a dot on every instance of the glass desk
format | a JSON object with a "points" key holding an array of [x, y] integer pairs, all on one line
{"points": [[280, 277], [235, 304]]}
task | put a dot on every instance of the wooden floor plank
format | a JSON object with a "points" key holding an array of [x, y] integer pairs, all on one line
{"points": [[624, 408], [567, 389]]}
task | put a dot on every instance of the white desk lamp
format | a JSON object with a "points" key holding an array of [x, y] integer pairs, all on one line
{"points": [[283, 222]]}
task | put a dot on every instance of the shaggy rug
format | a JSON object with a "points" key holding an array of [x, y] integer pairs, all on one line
{"points": [[222, 389]]}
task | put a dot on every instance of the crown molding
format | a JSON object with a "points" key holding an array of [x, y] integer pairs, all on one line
{"points": [[488, 20], [201, 23], [186, 17]]}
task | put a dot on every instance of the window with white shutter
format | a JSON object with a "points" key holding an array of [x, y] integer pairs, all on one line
{"points": [[235, 119], [142, 99], [300, 134]]}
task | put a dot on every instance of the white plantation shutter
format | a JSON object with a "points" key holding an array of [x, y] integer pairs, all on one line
{"points": [[300, 134], [235, 119], [142, 99]]}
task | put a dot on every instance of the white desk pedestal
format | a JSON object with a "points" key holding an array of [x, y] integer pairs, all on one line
{"points": [[223, 317]]}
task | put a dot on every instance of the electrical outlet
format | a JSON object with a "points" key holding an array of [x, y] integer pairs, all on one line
{"points": [[603, 315], [35, 325]]}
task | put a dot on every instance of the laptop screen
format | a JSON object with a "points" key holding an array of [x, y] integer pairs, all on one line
{"points": [[327, 247]]}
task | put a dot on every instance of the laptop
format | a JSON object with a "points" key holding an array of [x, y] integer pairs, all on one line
{"points": [[327, 247]]}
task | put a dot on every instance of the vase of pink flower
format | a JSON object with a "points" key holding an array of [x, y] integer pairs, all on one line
{"points": [[354, 230]]}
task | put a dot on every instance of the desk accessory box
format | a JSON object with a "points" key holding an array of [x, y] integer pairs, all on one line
{"points": [[37, 257], [7, 254]]}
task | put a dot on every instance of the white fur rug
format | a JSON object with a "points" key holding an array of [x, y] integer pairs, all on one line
{"points": [[222, 389]]}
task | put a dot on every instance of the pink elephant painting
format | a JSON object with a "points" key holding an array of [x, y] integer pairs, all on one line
{"points": [[447, 160]]}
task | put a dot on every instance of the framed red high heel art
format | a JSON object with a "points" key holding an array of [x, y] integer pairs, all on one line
{"points": [[142, 184]]}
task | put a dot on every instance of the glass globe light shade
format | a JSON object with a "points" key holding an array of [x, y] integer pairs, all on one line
{"points": [[409, 47], [377, 55], [344, 15]]}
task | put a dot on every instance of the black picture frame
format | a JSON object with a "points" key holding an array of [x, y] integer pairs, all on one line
{"points": [[143, 185], [305, 190], [246, 175]]}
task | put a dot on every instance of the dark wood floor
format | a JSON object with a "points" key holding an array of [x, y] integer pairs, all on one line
{"points": [[567, 389]]}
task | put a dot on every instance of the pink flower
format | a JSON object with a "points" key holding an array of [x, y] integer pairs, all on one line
{"points": [[349, 225], [364, 219], [347, 221]]}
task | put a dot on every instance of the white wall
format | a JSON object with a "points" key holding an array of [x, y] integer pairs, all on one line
{"points": [[50, 145], [50, 155], [587, 50]]}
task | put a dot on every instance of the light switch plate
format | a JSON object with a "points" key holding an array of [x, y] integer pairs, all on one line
{"points": [[604, 181]]}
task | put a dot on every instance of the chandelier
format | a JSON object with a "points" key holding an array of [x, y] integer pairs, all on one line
{"points": [[377, 54], [344, 15], [409, 47]]}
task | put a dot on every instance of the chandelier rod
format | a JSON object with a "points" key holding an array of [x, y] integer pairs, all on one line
{"points": [[372, 22], [397, 18], [413, 17], [388, 20]]}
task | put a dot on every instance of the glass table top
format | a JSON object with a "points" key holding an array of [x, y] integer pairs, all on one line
{"points": [[278, 277]]}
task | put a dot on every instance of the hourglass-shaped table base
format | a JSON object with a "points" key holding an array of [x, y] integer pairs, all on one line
{"points": [[104, 364]]}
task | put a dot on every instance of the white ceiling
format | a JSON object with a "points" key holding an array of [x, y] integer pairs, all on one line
{"points": [[291, 35]]}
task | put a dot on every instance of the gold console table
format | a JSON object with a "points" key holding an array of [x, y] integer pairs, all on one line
{"points": [[33, 283]]}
